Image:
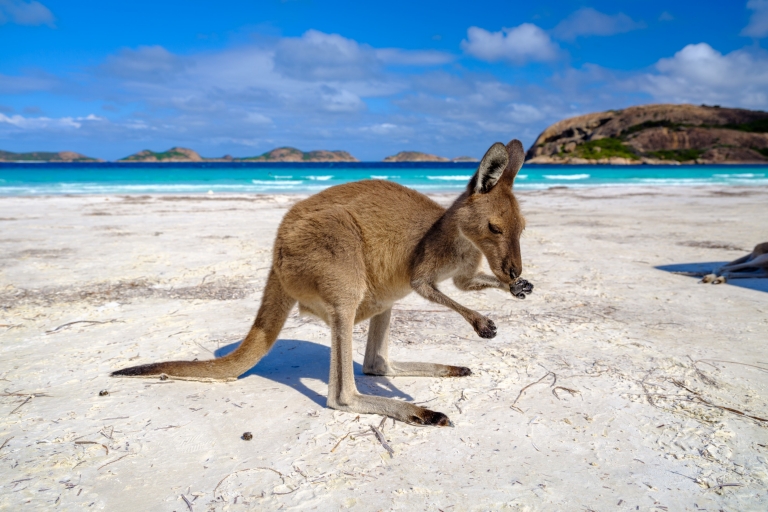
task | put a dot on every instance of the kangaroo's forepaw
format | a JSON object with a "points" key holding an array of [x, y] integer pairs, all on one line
{"points": [[521, 288], [427, 417], [708, 278], [484, 327], [719, 280]]}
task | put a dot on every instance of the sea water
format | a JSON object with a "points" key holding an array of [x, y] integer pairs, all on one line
{"points": [[270, 178]]}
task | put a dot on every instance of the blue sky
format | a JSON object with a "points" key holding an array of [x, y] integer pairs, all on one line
{"points": [[241, 77]]}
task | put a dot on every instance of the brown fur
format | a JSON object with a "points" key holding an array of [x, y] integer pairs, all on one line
{"points": [[348, 253], [754, 264]]}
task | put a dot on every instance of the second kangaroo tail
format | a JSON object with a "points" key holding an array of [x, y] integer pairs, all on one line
{"points": [[275, 306]]}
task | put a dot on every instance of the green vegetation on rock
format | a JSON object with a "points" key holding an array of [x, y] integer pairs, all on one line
{"points": [[762, 151], [605, 148], [165, 155], [650, 124], [757, 126], [680, 155], [44, 156]]}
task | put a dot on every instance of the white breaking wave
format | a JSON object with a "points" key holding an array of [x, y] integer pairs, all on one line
{"points": [[281, 183], [742, 175], [449, 178], [375, 177], [320, 178], [567, 176]]}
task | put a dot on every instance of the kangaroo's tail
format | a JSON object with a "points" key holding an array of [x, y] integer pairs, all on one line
{"points": [[276, 304]]}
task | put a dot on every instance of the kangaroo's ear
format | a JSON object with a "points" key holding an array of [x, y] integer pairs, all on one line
{"points": [[516, 155], [490, 170]]}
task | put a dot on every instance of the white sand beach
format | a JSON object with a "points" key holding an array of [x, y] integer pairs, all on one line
{"points": [[614, 386]]}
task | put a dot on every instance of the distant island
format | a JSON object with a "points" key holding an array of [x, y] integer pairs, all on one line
{"points": [[288, 154], [285, 154], [46, 156], [415, 156], [656, 134]]}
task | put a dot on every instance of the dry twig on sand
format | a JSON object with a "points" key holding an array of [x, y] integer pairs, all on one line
{"points": [[340, 440], [383, 441], [20, 405], [700, 400], [513, 406], [6, 442], [189, 505], [89, 322], [282, 477], [113, 461], [94, 442], [569, 390]]}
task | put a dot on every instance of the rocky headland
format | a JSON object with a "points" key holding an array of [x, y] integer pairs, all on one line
{"points": [[416, 156], [45, 156], [288, 154], [656, 134]]}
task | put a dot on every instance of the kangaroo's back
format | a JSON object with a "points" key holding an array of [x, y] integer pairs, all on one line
{"points": [[386, 220]]}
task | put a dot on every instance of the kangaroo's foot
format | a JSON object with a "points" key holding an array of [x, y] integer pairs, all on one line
{"points": [[521, 288], [719, 280], [410, 369], [396, 409], [483, 326], [708, 278]]}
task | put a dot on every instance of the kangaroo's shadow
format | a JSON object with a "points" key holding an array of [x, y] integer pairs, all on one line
{"points": [[291, 362], [699, 269]]}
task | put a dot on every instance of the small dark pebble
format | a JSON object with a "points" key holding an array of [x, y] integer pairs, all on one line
{"points": [[247, 436], [163, 377], [103, 392]]}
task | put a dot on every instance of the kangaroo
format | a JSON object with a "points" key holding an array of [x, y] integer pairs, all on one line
{"points": [[348, 253], [754, 264]]}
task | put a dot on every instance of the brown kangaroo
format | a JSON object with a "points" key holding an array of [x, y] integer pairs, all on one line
{"points": [[348, 253]]}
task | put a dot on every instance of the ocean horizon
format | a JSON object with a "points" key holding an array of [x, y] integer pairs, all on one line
{"points": [[21, 179]]}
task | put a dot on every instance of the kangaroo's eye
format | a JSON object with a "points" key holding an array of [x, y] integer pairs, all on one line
{"points": [[494, 229]]}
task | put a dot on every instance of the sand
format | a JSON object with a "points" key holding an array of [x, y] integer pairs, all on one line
{"points": [[615, 386]]}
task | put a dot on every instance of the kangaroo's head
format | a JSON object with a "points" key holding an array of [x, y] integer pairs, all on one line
{"points": [[489, 215]]}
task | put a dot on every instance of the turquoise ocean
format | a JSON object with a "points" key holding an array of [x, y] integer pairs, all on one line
{"points": [[269, 178]]}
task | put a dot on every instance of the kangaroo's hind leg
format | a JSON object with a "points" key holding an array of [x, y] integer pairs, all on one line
{"points": [[342, 391], [377, 356]]}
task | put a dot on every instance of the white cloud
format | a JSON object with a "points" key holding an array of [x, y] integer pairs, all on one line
{"points": [[589, 22], [758, 22], [413, 57], [700, 74], [25, 13], [319, 56], [526, 42], [143, 63], [47, 123]]}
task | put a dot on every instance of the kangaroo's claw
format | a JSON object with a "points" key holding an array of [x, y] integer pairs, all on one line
{"points": [[484, 327], [520, 288]]}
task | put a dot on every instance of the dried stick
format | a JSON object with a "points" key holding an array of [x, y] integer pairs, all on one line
{"points": [[337, 444], [90, 322], [247, 469], [6, 442], [20, 406], [569, 390], [701, 400], [110, 462], [528, 386], [93, 442], [189, 505], [383, 441]]}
